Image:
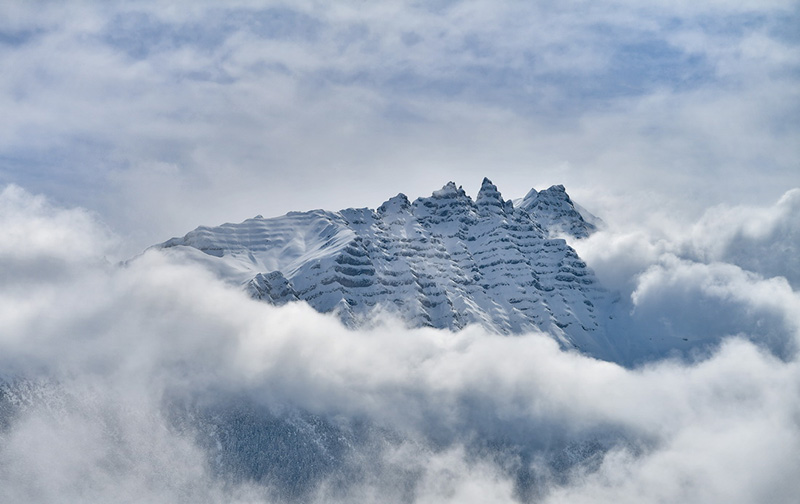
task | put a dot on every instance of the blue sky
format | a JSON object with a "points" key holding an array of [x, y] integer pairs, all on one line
{"points": [[160, 118]]}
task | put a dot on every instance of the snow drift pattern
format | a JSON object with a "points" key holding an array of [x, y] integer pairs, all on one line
{"points": [[444, 261]]}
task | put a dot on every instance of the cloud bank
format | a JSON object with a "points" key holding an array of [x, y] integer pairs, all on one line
{"points": [[154, 381], [732, 272]]}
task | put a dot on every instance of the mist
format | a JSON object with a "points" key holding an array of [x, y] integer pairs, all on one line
{"points": [[151, 380]]}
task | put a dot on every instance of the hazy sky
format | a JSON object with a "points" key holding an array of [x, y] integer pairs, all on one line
{"points": [[161, 118]]}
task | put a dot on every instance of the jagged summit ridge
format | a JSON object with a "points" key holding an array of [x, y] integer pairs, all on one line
{"points": [[442, 261], [554, 209]]}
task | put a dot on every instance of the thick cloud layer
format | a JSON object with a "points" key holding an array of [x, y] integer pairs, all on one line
{"points": [[153, 381], [684, 287]]}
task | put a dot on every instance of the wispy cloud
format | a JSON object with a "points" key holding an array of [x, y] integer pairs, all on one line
{"points": [[145, 113]]}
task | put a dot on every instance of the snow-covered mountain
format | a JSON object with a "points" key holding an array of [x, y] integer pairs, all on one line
{"points": [[442, 261], [555, 212]]}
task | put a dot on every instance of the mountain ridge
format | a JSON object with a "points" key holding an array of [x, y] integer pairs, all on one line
{"points": [[443, 261]]}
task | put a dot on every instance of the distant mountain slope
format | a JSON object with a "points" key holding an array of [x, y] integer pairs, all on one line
{"points": [[443, 261], [557, 213]]}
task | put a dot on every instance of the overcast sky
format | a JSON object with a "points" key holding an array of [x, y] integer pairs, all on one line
{"points": [[161, 118], [123, 124]]}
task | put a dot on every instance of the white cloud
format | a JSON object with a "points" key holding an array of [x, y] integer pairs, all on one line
{"points": [[113, 352], [33, 228], [733, 271], [271, 108], [760, 239], [685, 300]]}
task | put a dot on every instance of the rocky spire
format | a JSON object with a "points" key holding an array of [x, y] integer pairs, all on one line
{"points": [[489, 199]]}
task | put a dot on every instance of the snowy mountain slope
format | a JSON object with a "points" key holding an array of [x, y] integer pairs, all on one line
{"points": [[442, 261], [556, 212]]}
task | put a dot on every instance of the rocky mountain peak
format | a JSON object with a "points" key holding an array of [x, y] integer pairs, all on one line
{"points": [[443, 261]]}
